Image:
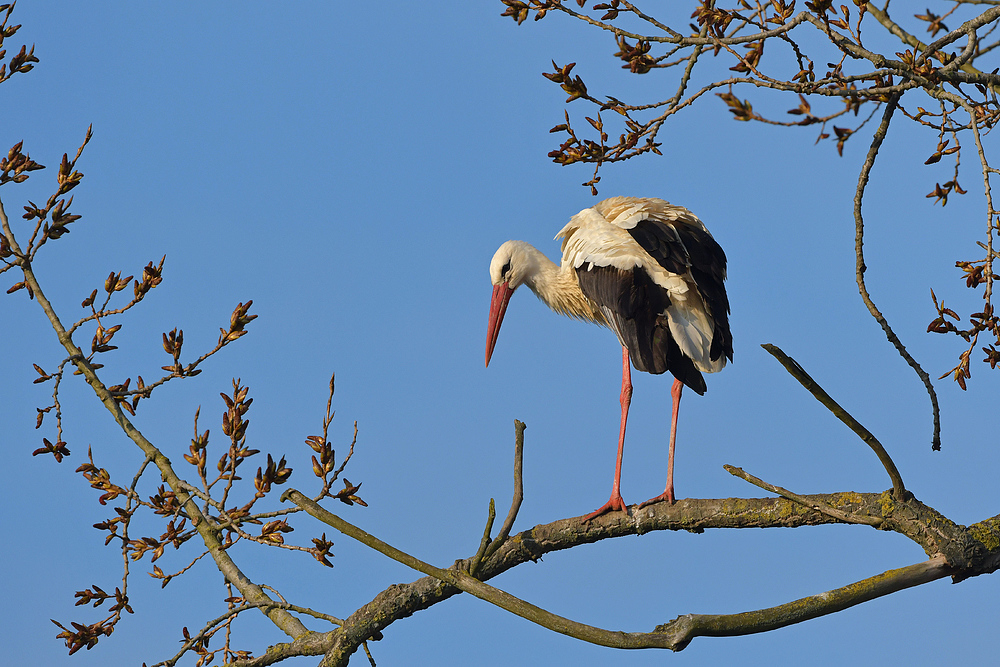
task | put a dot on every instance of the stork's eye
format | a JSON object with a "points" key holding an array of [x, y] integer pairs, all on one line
{"points": [[505, 270]]}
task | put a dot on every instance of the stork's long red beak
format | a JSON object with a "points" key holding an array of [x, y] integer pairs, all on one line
{"points": [[498, 306]]}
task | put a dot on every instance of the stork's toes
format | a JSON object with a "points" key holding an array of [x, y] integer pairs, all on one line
{"points": [[666, 495], [615, 503]]}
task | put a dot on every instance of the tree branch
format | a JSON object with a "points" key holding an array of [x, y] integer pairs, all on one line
{"points": [[860, 267], [846, 517], [685, 628], [968, 551], [799, 373], [252, 592], [515, 503], [968, 28]]}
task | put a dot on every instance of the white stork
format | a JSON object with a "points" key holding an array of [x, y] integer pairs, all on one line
{"points": [[649, 271]]}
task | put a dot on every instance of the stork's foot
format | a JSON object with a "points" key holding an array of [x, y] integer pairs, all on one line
{"points": [[667, 495], [615, 503]]}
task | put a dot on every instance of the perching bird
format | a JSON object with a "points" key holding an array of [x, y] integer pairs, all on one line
{"points": [[653, 274]]}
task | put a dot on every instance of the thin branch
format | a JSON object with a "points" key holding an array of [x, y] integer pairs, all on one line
{"points": [[677, 38], [193, 490], [799, 373], [288, 623], [649, 19], [485, 541], [166, 578], [371, 660], [967, 28], [692, 60], [685, 628], [99, 313], [235, 611], [860, 268], [811, 503], [515, 503], [987, 190]]}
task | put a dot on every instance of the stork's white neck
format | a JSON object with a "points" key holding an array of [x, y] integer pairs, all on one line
{"points": [[557, 287]]}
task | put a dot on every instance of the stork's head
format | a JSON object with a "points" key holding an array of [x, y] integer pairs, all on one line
{"points": [[512, 265]]}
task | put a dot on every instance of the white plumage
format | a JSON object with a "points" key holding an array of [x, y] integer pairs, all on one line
{"points": [[590, 238], [648, 270]]}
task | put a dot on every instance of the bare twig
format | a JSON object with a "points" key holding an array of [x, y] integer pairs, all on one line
{"points": [[486, 547], [811, 503], [515, 503], [371, 660], [685, 628], [860, 268], [799, 373], [485, 541]]}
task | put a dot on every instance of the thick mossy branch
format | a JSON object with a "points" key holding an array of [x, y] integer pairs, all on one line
{"points": [[805, 502], [954, 550]]}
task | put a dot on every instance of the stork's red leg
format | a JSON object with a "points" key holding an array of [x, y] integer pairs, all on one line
{"points": [[668, 493], [616, 502]]}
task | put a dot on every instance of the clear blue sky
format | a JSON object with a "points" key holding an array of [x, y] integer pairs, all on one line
{"points": [[352, 168]]}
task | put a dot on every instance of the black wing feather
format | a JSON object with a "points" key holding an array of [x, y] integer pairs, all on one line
{"points": [[681, 247], [634, 305]]}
